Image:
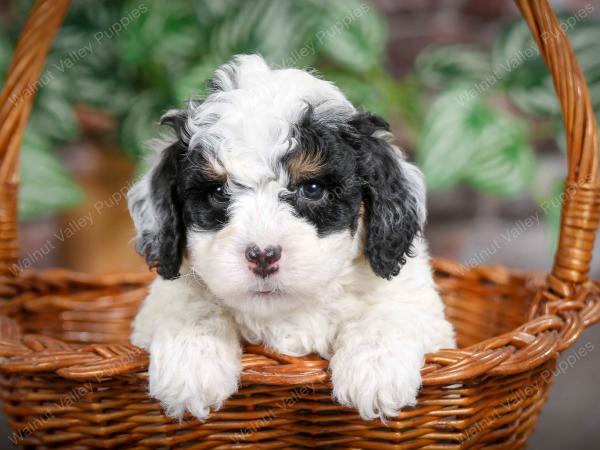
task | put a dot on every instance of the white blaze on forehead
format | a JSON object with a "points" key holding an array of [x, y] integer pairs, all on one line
{"points": [[246, 167], [261, 214]]}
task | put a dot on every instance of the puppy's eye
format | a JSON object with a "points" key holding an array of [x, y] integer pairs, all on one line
{"points": [[217, 194], [311, 190]]}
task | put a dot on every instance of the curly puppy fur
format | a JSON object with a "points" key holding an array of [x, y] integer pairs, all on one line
{"points": [[279, 163]]}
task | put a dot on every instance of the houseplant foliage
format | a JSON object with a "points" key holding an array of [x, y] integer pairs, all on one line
{"points": [[491, 105], [162, 55]]}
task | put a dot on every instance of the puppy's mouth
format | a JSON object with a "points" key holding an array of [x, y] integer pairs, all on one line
{"points": [[266, 292]]}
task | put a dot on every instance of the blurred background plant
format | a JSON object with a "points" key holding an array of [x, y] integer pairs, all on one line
{"points": [[486, 106], [491, 106], [164, 57]]}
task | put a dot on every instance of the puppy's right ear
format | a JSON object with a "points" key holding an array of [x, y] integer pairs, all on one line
{"points": [[155, 206]]}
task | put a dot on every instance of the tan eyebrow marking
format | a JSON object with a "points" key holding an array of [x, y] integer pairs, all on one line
{"points": [[214, 172], [304, 165]]}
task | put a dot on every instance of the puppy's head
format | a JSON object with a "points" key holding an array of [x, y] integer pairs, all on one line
{"points": [[273, 186]]}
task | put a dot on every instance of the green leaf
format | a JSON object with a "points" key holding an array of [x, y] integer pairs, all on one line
{"points": [[92, 15], [465, 139], [5, 56], [505, 164], [406, 99], [53, 115], [448, 140], [362, 93], [209, 11], [46, 187], [455, 64], [518, 65], [164, 35], [193, 82], [519, 68], [272, 28], [513, 47], [352, 33], [140, 125], [105, 94], [83, 69]]}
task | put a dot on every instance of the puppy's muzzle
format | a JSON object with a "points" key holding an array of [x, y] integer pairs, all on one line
{"points": [[263, 262]]}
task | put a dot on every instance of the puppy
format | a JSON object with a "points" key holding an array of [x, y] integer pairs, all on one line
{"points": [[281, 215]]}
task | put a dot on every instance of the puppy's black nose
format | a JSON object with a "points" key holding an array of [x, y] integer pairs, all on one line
{"points": [[263, 262]]}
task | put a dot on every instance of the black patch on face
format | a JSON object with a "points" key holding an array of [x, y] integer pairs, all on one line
{"points": [[359, 168], [204, 208], [339, 207]]}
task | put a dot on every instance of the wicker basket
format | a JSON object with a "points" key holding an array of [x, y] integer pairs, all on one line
{"points": [[71, 380]]}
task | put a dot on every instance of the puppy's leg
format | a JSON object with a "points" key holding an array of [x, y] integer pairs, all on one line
{"points": [[378, 355], [195, 354]]}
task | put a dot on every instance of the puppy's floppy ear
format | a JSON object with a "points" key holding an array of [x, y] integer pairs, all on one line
{"points": [[393, 196], [154, 205]]}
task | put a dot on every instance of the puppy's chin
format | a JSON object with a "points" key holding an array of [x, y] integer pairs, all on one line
{"points": [[265, 300], [263, 306]]}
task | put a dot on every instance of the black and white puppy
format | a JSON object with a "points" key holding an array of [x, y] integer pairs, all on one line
{"points": [[280, 215]]}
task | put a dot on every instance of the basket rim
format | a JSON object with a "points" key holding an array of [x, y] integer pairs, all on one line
{"points": [[554, 325]]}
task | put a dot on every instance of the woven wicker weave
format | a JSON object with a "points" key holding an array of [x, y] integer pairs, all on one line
{"points": [[71, 380]]}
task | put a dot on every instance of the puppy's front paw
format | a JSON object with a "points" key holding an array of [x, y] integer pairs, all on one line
{"points": [[192, 376], [377, 382]]}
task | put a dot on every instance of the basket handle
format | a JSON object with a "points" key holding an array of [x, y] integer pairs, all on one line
{"points": [[581, 200], [581, 210], [16, 102]]}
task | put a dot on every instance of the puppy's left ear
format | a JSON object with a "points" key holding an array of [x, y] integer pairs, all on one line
{"points": [[393, 195]]}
